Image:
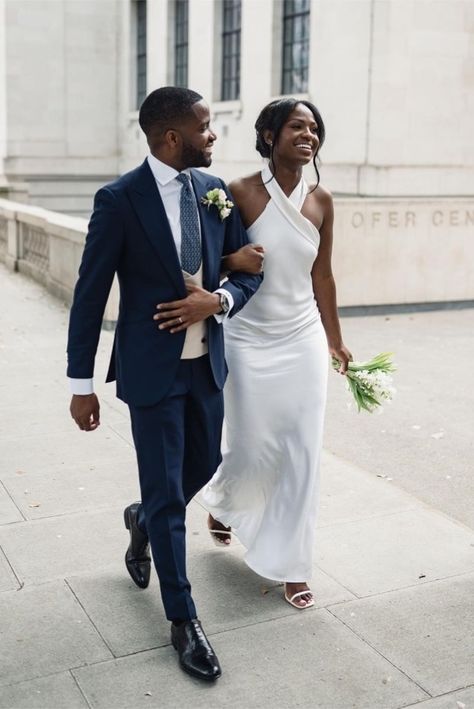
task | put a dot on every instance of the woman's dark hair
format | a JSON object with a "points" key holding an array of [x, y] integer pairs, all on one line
{"points": [[274, 116], [164, 106]]}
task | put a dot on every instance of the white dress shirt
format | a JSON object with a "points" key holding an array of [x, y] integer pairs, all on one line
{"points": [[170, 192]]}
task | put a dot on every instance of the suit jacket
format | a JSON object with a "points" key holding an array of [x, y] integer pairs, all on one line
{"points": [[129, 234]]}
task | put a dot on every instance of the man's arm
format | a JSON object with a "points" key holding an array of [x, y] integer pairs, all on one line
{"points": [[99, 262], [201, 304]]}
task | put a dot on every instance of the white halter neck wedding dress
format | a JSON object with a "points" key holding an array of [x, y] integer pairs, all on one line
{"points": [[267, 485]]}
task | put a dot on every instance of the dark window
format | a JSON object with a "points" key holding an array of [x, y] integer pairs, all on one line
{"points": [[181, 43], [141, 51], [294, 78], [231, 22]]}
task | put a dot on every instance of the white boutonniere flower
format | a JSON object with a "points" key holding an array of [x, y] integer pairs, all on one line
{"points": [[218, 199]]}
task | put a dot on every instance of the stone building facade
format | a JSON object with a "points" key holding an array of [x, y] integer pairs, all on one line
{"points": [[393, 79]]}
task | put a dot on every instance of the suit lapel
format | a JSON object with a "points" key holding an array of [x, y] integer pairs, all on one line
{"points": [[151, 213], [209, 237]]}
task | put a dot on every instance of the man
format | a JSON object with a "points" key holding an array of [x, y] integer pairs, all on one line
{"points": [[152, 229]]}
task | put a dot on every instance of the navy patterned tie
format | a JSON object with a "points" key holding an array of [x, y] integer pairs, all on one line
{"points": [[190, 237]]}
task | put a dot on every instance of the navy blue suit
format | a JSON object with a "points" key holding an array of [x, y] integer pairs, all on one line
{"points": [[176, 405]]}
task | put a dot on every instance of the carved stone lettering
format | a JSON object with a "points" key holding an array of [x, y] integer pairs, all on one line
{"points": [[393, 219], [357, 219], [404, 219]]}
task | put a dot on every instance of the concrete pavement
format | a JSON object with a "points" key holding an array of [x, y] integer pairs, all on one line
{"points": [[394, 564]]}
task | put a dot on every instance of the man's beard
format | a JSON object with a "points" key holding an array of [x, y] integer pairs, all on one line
{"points": [[191, 157]]}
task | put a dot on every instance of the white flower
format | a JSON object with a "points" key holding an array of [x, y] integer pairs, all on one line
{"points": [[370, 382], [218, 198]]}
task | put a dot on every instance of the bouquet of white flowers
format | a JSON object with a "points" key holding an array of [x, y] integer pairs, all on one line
{"points": [[370, 382]]}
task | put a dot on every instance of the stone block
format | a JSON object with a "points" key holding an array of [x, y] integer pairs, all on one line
{"points": [[401, 549], [313, 661], [226, 592], [60, 490], [426, 632], [8, 580], [59, 690], [9, 512], [45, 631], [349, 493], [66, 545]]}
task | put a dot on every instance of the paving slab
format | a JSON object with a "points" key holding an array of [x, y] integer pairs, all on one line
{"points": [[9, 512], [460, 699], [17, 391], [122, 428], [44, 631], [433, 352], [65, 545], [60, 489], [263, 665], [57, 449], [392, 551], [58, 691], [8, 580], [20, 420], [426, 632], [349, 493], [373, 535], [133, 620]]}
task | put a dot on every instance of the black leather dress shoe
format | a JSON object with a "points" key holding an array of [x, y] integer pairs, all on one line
{"points": [[137, 557], [196, 655]]}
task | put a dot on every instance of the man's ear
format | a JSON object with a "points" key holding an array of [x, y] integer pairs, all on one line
{"points": [[172, 138]]}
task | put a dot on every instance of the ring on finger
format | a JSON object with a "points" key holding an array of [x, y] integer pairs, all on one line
{"points": [[180, 320]]}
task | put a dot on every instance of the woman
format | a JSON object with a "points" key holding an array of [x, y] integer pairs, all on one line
{"points": [[277, 350]]}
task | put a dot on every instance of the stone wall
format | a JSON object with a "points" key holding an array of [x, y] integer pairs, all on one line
{"points": [[47, 246], [385, 251]]}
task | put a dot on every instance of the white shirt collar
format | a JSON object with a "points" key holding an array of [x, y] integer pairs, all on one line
{"points": [[162, 172]]}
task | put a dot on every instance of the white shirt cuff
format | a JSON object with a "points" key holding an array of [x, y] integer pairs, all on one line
{"points": [[221, 317], [81, 386]]}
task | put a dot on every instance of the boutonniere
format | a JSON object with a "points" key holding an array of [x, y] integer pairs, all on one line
{"points": [[218, 199]]}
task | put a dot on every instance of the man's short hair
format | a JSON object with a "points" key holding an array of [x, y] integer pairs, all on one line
{"points": [[166, 106]]}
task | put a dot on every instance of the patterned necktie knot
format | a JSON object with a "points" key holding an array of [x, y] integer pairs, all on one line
{"points": [[183, 178], [190, 236]]}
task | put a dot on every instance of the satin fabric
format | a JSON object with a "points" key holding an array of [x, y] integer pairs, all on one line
{"points": [[274, 400]]}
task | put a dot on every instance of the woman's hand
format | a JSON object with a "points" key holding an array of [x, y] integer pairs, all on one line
{"points": [[248, 259], [342, 354]]}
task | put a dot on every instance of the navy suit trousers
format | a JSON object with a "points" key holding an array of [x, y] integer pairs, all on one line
{"points": [[177, 442]]}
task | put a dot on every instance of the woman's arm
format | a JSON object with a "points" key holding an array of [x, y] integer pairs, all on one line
{"points": [[248, 200], [248, 259], [324, 286]]}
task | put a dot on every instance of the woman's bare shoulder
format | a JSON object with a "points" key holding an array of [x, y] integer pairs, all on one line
{"points": [[321, 194], [241, 185]]}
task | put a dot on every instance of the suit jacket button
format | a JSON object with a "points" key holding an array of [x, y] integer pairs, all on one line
{"points": [[203, 340]]}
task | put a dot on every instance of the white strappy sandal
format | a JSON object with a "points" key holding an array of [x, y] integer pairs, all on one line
{"points": [[221, 532], [291, 600], [215, 532]]}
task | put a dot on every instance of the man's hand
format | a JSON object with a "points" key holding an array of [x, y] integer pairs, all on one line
{"points": [[180, 314], [85, 411], [248, 259]]}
